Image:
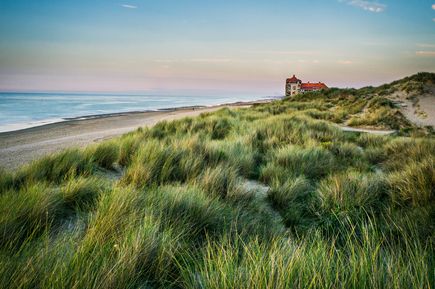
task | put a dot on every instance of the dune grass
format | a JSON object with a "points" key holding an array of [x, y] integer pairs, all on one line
{"points": [[357, 209], [311, 262]]}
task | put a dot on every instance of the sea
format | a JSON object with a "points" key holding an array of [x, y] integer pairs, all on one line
{"points": [[24, 110]]}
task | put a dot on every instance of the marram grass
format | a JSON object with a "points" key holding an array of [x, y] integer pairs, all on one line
{"points": [[171, 206]]}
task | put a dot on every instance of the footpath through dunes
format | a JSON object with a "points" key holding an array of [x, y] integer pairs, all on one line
{"points": [[366, 130], [260, 192]]}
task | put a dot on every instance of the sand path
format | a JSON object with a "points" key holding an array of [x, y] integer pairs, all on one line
{"points": [[366, 130]]}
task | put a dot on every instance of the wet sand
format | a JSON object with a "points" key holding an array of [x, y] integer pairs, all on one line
{"points": [[20, 147]]}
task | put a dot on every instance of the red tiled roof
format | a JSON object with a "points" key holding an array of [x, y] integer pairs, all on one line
{"points": [[313, 86], [293, 79]]}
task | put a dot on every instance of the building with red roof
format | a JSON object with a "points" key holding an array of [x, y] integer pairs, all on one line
{"points": [[294, 86], [293, 79]]}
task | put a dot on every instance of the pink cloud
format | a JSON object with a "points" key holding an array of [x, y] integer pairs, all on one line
{"points": [[425, 53]]}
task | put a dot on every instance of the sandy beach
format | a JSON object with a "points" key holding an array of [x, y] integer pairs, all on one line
{"points": [[20, 147]]}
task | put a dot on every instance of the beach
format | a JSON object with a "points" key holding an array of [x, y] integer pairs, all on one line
{"points": [[20, 147]]}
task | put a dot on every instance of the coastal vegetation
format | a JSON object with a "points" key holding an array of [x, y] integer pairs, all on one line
{"points": [[182, 204]]}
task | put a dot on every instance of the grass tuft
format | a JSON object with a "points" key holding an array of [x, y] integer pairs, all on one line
{"points": [[104, 154]]}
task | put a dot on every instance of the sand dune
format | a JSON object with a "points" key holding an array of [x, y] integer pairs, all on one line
{"points": [[419, 109]]}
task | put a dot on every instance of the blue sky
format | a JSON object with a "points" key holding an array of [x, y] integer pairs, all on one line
{"points": [[211, 47]]}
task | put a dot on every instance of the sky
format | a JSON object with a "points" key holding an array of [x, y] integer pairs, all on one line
{"points": [[211, 47]]}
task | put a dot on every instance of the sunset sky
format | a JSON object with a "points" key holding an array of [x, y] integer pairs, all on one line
{"points": [[211, 47]]}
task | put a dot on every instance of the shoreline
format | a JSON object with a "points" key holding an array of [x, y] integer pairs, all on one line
{"points": [[15, 127], [20, 147]]}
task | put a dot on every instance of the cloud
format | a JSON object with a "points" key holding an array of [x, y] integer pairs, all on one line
{"points": [[286, 52], [129, 6], [425, 53], [426, 45], [226, 61], [374, 43], [433, 6], [371, 6], [345, 62], [196, 60], [313, 61]]}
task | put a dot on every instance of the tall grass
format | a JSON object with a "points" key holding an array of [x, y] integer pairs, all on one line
{"points": [[313, 162], [322, 208], [415, 183], [364, 261], [56, 168], [27, 212], [103, 155], [296, 201], [39, 206]]}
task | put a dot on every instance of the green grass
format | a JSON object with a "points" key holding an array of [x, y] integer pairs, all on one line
{"points": [[313, 162], [364, 261], [168, 206], [103, 155]]}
